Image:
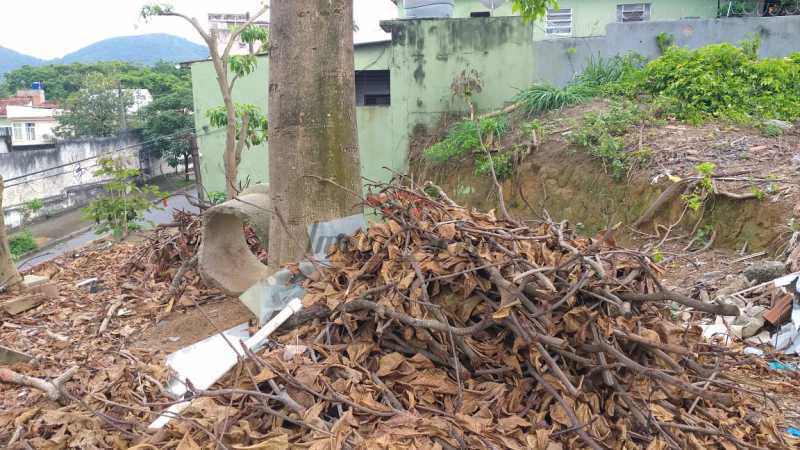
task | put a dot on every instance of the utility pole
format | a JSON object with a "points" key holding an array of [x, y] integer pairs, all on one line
{"points": [[122, 113]]}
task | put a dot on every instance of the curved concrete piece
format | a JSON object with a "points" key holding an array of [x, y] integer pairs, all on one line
{"points": [[225, 260]]}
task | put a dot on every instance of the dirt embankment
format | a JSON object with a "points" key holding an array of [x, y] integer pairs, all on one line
{"points": [[564, 181]]}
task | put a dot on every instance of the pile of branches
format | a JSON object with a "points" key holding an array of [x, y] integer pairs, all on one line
{"points": [[175, 245], [441, 327]]}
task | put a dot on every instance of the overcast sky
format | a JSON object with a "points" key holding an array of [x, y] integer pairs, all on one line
{"points": [[52, 28]]}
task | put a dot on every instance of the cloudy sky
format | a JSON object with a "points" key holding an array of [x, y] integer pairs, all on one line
{"points": [[52, 28]]}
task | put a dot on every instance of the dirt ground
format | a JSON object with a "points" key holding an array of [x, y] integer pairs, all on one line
{"points": [[182, 328]]}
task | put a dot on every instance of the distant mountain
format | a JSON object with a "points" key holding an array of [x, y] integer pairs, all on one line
{"points": [[143, 49], [10, 60]]}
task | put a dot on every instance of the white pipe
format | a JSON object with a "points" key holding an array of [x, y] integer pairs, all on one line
{"points": [[227, 362]]}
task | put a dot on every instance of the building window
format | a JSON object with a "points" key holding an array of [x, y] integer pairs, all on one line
{"points": [[480, 14], [17, 131], [633, 12], [30, 131], [372, 88], [559, 21]]}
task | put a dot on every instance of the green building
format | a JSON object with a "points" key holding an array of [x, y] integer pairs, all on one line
{"points": [[403, 84]]}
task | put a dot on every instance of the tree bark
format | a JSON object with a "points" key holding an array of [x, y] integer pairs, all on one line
{"points": [[313, 150], [9, 276]]}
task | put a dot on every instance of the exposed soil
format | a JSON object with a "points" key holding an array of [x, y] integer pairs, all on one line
{"points": [[569, 184], [185, 327]]}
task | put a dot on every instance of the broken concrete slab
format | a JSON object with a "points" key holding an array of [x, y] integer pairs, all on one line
{"points": [[10, 356], [22, 303], [763, 271], [225, 260]]}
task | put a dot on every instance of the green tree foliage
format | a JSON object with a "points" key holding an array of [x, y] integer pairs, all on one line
{"points": [[533, 9], [61, 81], [123, 206], [95, 110], [724, 81], [167, 127]]}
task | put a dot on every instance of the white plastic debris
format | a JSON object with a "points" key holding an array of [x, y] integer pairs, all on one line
{"points": [[753, 351], [209, 367]]}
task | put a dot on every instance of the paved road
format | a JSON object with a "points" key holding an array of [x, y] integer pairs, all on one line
{"points": [[157, 215]]}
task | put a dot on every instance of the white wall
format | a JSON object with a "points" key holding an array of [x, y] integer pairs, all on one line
{"points": [[62, 177]]}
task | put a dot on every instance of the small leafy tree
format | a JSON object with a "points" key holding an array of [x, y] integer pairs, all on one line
{"points": [[533, 9], [167, 127], [251, 125], [96, 109], [124, 204], [229, 68]]}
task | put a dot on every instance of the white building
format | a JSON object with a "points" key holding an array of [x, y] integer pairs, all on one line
{"points": [[32, 125], [224, 24], [141, 98]]}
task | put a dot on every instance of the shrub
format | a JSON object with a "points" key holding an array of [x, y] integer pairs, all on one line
{"points": [[503, 165], [21, 243], [600, 135], [723, 81], [771, 130], [463, 138], [124, 203], [609, 76], [541, 98]]}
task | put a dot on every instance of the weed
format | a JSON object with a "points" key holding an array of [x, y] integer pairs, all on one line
{"points": [[703, 235], [758, 192], [771, 130], [657, 256], [30, 208], [217, 197], [541, 98], [463, 139], [600, 134], [664, 41], [21, 243], [503, 165], [695, 199]]}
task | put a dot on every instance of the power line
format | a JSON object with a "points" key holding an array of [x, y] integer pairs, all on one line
{"points": [[88, 159], [96, 156]]}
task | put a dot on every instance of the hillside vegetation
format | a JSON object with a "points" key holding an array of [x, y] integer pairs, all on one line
{"points": [[719, 82], [147, 49]]}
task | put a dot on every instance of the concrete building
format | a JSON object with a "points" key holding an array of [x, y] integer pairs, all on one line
{"points": [[27, 120], [224, 24], [424, 56]]}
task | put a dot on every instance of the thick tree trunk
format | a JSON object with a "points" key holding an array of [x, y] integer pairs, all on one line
{"points": [[313, 145], [9, 276]]}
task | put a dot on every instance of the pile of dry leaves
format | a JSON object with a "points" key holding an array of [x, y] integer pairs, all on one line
{"points": [[436, 328]]}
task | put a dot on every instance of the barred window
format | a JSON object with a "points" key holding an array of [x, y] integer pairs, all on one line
{"points": [[633, 12], [559, 21]]}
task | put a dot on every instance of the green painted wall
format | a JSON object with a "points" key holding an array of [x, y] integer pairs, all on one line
{"points": [[428, 54], [381, 143], [591, 16]]}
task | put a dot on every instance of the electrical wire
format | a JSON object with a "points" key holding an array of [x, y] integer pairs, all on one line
{"points": [[118, 150]]}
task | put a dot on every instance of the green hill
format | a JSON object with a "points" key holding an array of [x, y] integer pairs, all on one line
{"points": [[145, 49], [10, 60]]}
